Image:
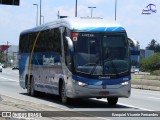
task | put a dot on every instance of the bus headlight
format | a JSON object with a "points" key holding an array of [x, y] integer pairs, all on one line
{"points": [[125, 83], [81, 83]]}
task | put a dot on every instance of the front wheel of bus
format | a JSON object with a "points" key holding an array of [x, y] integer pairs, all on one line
{"points": [[65, 99], [33, 92], [30, 87], [112, 100]]}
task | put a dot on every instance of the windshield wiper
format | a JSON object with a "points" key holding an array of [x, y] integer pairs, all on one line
{"points": [[94, 67], [113, 65]]}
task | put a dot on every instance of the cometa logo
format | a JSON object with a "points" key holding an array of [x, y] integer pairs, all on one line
{"points": [[149, 9], [104, 77]]}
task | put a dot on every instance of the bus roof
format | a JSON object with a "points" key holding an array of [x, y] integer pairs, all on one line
{"points": [[81, 24]]}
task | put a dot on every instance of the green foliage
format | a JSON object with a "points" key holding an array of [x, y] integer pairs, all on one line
{"points": [[151, 63], [2, 57], [134, 63]]}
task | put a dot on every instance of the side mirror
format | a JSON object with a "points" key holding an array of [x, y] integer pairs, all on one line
{"points": [[70, 45]]}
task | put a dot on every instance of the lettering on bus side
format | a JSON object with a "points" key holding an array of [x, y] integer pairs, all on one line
{"points": [[87, 35], [48, 61]]}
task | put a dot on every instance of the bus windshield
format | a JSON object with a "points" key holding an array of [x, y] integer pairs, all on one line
{"points": [[101, 54]]}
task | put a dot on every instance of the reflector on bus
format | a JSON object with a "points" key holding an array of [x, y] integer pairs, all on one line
{"points": [[74, 36]]}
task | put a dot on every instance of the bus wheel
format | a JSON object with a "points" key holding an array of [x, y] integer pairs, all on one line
{"points": [[64, 98], [112, 100], [32, 89]]}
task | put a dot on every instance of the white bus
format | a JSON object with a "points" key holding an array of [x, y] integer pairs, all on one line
{"points": [[76, 58]]}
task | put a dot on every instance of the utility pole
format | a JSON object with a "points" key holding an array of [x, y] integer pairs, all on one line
{"points": [[40, 12], [7, 55], [15, 58], [58, 14]]}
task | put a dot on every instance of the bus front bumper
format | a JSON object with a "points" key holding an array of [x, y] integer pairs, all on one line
{"points": [[99, 91]]}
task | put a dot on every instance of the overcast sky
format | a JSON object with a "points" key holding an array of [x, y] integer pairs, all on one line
{"points": [[143, 28]]}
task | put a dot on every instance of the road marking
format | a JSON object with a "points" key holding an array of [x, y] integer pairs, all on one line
{"points": [[147, 93], [131, 106], [154, 98], [140, 92], [135, 107], [9, 79]]}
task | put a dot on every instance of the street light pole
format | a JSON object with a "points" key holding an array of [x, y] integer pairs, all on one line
{"points": [[76, 9], [91, 10], [40, 13], [115, 10], [58, 14], [43, 18], [7, 55], [37, 15]]}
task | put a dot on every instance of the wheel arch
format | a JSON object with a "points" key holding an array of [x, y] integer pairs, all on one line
{"points": [[61, 80]]}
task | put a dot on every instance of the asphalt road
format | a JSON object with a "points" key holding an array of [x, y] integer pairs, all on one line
{"points": [[140, 100]]}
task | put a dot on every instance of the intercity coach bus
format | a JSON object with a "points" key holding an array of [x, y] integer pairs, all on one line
{"points": [[76, 58]]}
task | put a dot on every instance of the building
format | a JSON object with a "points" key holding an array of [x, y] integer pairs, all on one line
{"points": [[145, 53], [4, 47], [10, 53]]}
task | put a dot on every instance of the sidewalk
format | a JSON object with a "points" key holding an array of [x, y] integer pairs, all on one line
{"points": [[10, 104]]}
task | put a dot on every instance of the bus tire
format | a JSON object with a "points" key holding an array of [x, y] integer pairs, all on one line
{"points": [[32, 89], [64, 98], [28, 86], [112, 100]]}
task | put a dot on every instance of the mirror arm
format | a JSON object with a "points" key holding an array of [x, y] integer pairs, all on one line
{"points": [[70, 44]]}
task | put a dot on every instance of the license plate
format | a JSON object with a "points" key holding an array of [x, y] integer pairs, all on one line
{"points": [[104, 92]]}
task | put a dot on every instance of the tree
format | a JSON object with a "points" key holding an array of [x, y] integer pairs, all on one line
{"points": [[151, 63], [153, 45], [2, 57], [157, 48]]}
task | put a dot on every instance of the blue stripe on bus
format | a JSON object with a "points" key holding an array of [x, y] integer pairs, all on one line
{"points": [[99, 29], [101, 81]]}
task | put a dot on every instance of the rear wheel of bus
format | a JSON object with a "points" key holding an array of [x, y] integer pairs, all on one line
{"points": [[30, 87], [112, 100]]}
